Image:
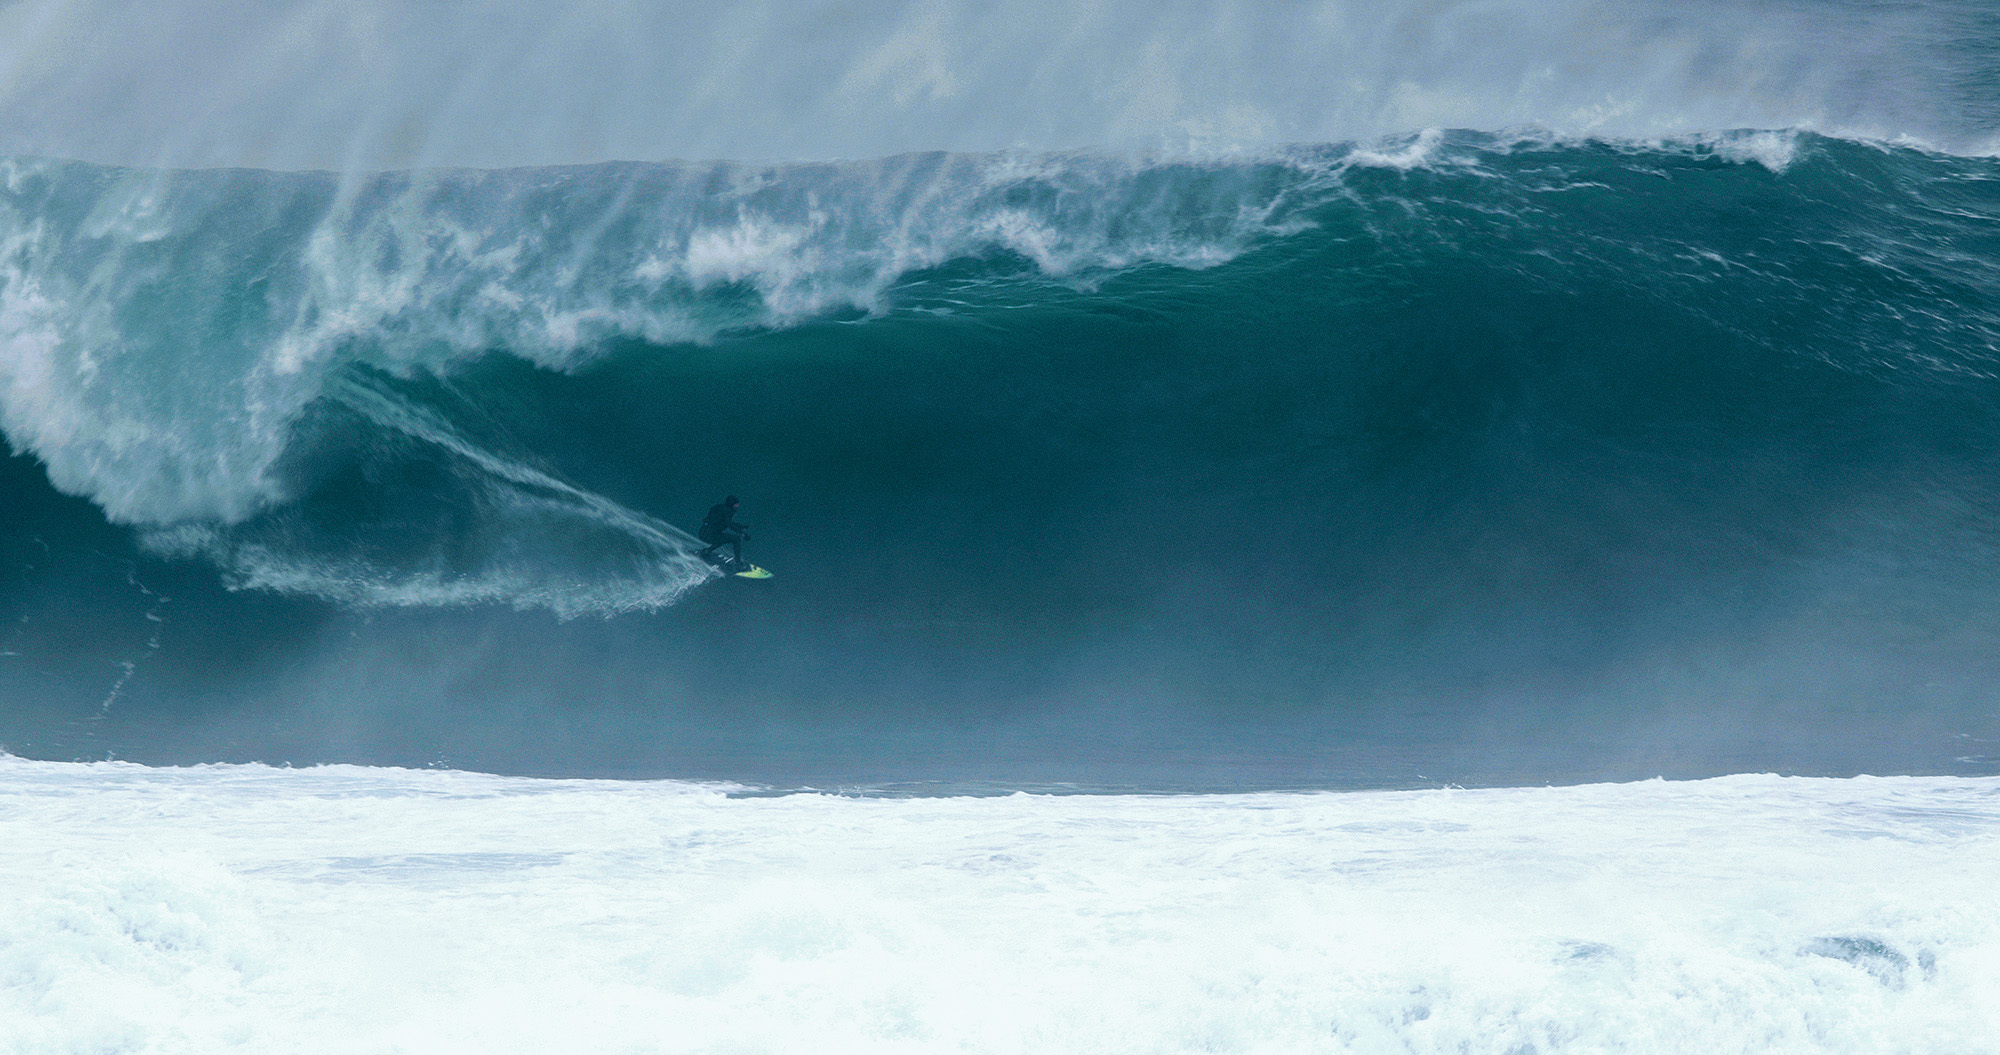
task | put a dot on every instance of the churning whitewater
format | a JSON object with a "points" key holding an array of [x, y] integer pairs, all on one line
{"points": [[1195, 443], [224, 909]]}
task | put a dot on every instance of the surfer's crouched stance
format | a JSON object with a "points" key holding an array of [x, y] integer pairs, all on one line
{"points": [[720, 529]]}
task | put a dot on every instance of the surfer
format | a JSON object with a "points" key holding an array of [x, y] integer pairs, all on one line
{"points": [[720, 529]]}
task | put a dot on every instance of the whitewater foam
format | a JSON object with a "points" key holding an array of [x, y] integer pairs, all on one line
{"points": [[242, 908]]}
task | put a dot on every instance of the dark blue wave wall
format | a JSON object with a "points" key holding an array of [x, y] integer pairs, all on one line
{"points": [[1517, 462]]}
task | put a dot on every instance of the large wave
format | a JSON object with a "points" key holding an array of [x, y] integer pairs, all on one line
{"points": [[184, 347], [166, 332], [1321, 437]]}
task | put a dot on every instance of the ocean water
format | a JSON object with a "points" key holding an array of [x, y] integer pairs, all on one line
{"points": [[1195, 443], [1470, 457]]}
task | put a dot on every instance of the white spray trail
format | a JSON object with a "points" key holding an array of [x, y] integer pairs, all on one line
{"points": [[427, 426], [658, 562]]}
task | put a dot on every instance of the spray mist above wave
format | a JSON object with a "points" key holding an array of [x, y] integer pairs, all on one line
{"points": [[498, 83]]}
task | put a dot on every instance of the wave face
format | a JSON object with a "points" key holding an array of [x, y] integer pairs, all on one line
{"points": [[1506, 456]]}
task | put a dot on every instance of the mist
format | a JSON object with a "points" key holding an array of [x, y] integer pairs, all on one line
{"points": [[374, 85]]}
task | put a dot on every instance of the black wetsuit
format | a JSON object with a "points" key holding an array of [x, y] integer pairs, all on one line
{"points": [[720, 529]]}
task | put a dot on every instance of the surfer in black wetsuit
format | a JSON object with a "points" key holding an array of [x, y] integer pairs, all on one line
{"points": [[720, 529]]}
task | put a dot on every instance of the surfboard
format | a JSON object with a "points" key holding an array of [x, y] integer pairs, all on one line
{"points": [[742, 570]]}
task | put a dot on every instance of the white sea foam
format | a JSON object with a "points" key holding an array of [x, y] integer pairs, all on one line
{"points": [[1773, 150], [228, 908], [1416, 152]]}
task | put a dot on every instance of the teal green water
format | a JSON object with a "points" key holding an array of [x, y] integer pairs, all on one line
{"points": [[1464, 458]]}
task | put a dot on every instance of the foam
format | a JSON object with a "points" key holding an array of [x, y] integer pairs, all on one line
{"points": [[1773, 150], [228, 908], [1417, 152]]}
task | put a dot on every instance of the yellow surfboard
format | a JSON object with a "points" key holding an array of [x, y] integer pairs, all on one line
{"points": [[753, 572]]}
